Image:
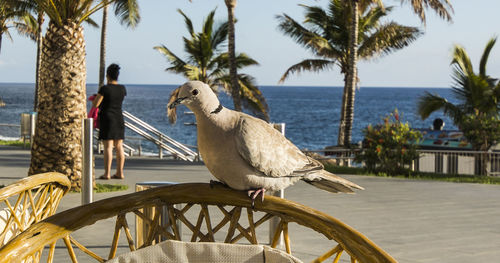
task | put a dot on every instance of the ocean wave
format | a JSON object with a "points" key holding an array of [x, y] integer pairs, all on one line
{"points": [[5, 138]]}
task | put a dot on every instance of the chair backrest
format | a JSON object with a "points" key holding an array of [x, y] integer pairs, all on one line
{"points": [[206, 212], [29, 201]]}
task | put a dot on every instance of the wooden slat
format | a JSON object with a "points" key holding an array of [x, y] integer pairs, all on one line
{"points": [[50, 256], [235, 217], [277, 234], [71, 252], [85, 250], [116, 236], [287, 238], [328, 254], [127, 233], [173, 222], [210, 234], [197, 228], [251, 225]]}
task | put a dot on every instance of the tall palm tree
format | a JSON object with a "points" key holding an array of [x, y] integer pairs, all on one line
{"points": [[130, 19], [477, 94], [207, 62], [235, 88], [442, 7], [326, 34], [39, 34], [102, 49], [62, 98]]}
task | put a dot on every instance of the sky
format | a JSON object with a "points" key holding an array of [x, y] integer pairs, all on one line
{"points": [[425, 63]]}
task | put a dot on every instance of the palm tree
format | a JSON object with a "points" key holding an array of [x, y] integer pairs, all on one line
{"points": [[208, 63], [12, 17], [130, 19], [477, 94], [235, 88], [326, 34], [442, 7], [62, 97], [102, 53]]}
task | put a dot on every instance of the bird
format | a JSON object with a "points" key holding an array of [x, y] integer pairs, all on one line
{"points": [[247, 153]]}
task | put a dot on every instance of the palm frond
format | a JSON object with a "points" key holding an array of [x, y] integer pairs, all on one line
{"points": [[89, 21], [315, 65], [303, 36], [486, 54], [188, 22], [127, 12], [442, 8], [462, 60], [430, 103], [178, 64], [388, 38]]}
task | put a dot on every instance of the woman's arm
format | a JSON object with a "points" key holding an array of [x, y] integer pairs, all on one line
{"points": [[97, 101]]}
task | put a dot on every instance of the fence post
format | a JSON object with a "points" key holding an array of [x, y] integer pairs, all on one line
{"points": [[32, 127], [274, 221], [160, 149], [87, 150]]}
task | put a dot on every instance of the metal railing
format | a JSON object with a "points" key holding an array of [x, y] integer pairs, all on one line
{"points": [[163, 141], [458, 162]]}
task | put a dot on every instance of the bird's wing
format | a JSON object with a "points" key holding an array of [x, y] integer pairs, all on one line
{"points": [[268, 151]]}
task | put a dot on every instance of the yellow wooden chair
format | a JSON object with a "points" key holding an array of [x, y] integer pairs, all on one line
{"points": [[206, 212], [29, 201]]}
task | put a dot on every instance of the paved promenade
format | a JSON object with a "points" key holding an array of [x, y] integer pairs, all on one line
{"points": [[414, 221]]}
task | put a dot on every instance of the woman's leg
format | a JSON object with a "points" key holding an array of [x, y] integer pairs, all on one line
{"points": [[108, 157], [120, 158]]}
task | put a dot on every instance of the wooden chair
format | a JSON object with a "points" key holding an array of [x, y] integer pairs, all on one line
{"points": [[29, 201], [206, 212]]}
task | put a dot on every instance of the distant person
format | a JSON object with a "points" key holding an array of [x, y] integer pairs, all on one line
{"points": [[438, 124], [109, 99]]}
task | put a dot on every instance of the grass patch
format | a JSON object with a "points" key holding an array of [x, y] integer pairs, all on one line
{"points": [[106, 188], [18, 143], [455, 178]]}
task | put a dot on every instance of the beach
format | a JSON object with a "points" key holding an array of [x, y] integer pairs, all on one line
{"points": [[414, 221]]}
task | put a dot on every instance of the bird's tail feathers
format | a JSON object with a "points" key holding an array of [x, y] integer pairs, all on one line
{"points": [[331, 183]]}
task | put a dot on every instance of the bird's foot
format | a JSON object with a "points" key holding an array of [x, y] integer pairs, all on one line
{"points": [[213, 183], [255, 193]]}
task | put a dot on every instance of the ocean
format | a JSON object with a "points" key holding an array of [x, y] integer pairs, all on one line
{"points": [[311, 114]]}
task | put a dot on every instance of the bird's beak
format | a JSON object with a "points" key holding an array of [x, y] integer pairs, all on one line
{"points": [[172, 104], [176, 102]]}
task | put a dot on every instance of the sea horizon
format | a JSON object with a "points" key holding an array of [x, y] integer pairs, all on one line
{"points": [[275, 85]]}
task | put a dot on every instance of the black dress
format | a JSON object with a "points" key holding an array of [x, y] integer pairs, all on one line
{"points": [[111, 124]]}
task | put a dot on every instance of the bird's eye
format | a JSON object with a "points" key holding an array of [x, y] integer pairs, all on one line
{"points": [[195, 92]]}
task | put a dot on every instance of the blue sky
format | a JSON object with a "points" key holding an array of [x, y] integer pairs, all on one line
{"points": [[424, 64]]}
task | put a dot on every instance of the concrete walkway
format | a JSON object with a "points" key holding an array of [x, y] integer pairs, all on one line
{"points": [[414, 221]]}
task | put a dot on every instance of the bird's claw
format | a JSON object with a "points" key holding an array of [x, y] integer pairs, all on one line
{"points": [[254, 194]]}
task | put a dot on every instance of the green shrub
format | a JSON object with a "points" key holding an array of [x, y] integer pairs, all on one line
{"points": [[389, 146]]}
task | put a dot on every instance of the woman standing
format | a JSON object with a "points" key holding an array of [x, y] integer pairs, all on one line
{"points": [[111, 125]]}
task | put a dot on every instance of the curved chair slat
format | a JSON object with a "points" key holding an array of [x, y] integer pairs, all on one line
{"points": [[61, 225], [30, 200]]}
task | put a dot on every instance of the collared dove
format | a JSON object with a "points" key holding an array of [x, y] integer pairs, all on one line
{"points": [[247, 153]]}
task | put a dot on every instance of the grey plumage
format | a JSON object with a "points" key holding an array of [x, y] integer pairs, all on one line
{"points": [[245, 152]]}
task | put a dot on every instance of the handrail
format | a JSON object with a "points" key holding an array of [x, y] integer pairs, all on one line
{"points": [[158, 133], [158, 142]]}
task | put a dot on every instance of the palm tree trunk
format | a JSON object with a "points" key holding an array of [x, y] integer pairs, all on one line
{"points": [[61, 108], [235, 89], [39, 36], [347, 113], [1, 42], [102, 57]]}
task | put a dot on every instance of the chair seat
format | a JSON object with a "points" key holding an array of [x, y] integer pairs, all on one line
{"points": [[205, 252]]}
